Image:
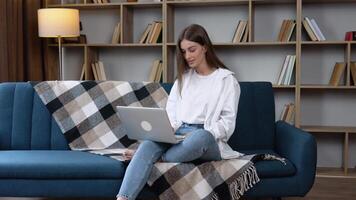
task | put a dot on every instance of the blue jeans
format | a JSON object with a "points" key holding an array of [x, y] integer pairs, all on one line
{"points": [[199, 144]]}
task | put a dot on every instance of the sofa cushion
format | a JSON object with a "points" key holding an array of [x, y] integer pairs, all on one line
{"points": [[53, 164], [272, 168]]}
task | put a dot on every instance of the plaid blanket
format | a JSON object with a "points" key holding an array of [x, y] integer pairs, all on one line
{"points": [[85, 113], [226, 179]]}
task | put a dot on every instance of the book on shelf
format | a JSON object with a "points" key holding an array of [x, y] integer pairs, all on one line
{"points": [[100, 68], [93, 68], [350, 36], [159, 74], [82, 74], [288, 113], [313, 30], [338, 70], [156, 71], [240, 31], [286, 72], [286, 31], [98, 71], [245, 37], [145, 34], [156, 32], [317, 29], [353, 71], [152, 33], [309, 31], [116, 34]]}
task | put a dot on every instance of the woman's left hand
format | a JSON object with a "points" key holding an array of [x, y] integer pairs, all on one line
{"points": [[128, 154]]}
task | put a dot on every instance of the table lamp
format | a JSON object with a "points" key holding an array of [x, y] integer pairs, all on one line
{"points": [[58, 23]]}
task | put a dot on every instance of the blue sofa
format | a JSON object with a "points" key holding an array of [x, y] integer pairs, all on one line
{"points": [[35, 160]]}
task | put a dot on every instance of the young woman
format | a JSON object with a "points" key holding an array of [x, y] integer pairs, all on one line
{"points": [[203, 102]]}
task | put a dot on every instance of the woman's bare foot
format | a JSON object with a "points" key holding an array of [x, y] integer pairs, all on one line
{"points": [[128, 154]]}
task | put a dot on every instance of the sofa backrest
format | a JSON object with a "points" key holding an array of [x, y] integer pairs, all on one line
{"points": [[255, 118], [25, 122]]}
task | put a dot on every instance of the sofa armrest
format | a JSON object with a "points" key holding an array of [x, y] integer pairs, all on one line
{"points": [[300, 148]]}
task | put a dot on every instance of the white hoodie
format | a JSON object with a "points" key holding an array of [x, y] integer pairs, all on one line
{"points": [[220, 116]]}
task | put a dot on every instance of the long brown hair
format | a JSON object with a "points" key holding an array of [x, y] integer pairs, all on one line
{"points": [[198, 34]]}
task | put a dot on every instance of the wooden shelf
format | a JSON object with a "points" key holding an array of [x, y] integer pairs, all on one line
{"points": [[169, 12], [328, 87], [328, 1], [325, 42], [125, 45], [226, 44], [108, 5], [108, 45], [207, 3], [273, 1], [143, 4], [68, 45], [284, 86], [329, 172], [87, 6], [328, 129]]}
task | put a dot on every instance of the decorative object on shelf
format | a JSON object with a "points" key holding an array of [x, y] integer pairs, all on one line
{"points": [[58, 23]]}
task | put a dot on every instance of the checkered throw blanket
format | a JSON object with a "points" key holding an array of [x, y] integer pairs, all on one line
{"points": [[85, 113], [226, 179]]}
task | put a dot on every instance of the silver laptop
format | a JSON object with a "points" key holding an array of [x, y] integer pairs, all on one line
{"points": [[144, 123]]}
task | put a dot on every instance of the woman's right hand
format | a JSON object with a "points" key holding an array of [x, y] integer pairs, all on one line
{"points": [[128, 154]]}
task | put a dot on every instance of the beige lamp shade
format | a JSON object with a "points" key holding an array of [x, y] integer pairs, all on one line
{"points": [[55, 22]]}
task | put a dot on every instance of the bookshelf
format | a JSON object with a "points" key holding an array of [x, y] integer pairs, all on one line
{"points": [[324, 110]]}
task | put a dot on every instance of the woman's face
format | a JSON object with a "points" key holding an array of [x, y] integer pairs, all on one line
{"points": [[193, 53]]}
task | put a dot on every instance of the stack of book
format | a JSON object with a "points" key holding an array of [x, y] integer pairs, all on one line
{"points": [[313, 30], [152, 33], [98, 71], [350, 36], [288, 113], [241, 32], [338, 70], [286, 73], [156, 71], [116, 35], [286, 31]]}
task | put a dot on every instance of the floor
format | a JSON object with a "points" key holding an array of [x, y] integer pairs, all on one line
{"points": [[323, 189]]}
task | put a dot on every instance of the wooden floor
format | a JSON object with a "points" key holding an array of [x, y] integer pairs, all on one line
{"points": [[323, 189], [331, 188]]}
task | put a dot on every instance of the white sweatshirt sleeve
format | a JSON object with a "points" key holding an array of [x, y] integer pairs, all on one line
{"points": [[223, 128], [172, 106]]}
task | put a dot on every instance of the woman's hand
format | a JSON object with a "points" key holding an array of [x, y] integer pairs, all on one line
{"points": [[128, 154]]}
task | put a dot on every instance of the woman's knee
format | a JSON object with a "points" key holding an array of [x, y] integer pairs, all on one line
{"points": [[148, 149], [202, 137]]}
